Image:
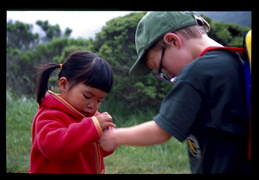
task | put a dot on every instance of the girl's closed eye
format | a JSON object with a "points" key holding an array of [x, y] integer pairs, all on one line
{"points": [[100, 101], [87, 97]]}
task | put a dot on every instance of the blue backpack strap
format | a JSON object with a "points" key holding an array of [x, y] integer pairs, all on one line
{"points": [[248, 84]]}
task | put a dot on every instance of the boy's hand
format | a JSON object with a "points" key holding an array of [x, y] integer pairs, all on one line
{"points": [[105, 120]]}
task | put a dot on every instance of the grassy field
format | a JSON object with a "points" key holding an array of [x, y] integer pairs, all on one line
{"points": [[168, 158]]}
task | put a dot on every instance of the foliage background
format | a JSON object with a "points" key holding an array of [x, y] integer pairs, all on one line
{"points": [[115, 43], [132, 100]]}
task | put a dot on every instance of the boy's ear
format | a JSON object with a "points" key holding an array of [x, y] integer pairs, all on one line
{"points": [[172, 39], [63, 84]]}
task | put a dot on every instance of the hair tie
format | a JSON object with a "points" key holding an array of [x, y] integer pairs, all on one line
{"points": [[60, 66]]}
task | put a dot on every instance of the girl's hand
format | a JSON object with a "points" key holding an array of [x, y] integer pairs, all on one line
{"points": [[105, 120]]}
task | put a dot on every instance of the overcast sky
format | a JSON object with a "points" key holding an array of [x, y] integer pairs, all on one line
{"points": [[84, 24]]}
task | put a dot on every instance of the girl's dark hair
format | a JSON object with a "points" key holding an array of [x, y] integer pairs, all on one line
{"points": [[79, 67]]}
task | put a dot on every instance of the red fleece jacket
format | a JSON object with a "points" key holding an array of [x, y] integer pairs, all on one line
{"points": [[64, 140]]}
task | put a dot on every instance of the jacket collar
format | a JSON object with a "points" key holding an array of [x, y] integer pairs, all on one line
{"points": [[55, 101]]}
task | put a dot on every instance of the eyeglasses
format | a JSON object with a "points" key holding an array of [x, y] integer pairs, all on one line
{"points": [[163, 76]]}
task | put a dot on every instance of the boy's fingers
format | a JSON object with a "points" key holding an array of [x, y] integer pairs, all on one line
{"points": [[111, 126]]}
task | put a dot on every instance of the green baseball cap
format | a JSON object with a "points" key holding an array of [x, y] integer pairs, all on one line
{"points": [[152, 27]]}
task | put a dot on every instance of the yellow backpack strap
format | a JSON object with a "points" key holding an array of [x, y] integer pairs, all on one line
{"points": [[248, 41]]}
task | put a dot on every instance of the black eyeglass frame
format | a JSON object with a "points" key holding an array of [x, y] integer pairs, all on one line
{"points": [[160, 75]]}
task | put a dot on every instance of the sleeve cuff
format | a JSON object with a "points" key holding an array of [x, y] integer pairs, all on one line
{"points": [[97, 125]]}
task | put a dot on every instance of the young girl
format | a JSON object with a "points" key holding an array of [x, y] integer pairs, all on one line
{"points": [[67, 127]]}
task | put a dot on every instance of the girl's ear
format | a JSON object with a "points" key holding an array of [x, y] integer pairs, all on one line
{"points": [[172, 39], [63, 84]]}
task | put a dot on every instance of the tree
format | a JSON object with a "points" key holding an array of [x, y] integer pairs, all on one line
{"points": [[52, 32], [24, 53], [226, 34], [20, 36], [20, 39]]}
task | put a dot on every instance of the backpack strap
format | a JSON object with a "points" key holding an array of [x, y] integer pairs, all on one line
{"points": [[234, 49], [248, 64], [248, 47]]}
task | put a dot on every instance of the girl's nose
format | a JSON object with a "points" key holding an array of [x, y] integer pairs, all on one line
{"points": [[91, 105]]}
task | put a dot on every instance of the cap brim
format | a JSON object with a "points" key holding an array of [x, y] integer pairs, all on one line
{"points": [[139, 68]]}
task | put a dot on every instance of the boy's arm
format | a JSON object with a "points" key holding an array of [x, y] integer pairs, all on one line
{"points": [[145, 134]]}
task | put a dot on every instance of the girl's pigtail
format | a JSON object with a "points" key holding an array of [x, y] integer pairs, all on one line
{"points": [[44, 72]]}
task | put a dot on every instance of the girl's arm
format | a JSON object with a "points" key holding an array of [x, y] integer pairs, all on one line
{"points": [[60, 142], [145, 134]]}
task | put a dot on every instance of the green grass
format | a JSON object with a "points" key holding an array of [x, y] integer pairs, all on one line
{"points": [[19, 116], [168, 158]]}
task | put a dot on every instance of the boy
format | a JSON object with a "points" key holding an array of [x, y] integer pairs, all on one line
{"points": [[207, 105]]}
